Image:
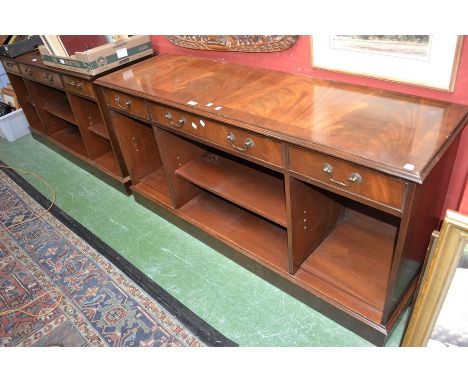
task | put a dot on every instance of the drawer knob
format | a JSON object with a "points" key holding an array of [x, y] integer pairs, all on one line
{"points": [[126, 106], [353, 177], [179, 123], [28, 71], [249, 143]]}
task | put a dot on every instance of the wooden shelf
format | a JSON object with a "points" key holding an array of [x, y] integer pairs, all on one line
{"points": [[259, 238], [109, 164], [60, 109], [70, 137], [352, 265], [154, 187], [252, 189], [99, 129]]}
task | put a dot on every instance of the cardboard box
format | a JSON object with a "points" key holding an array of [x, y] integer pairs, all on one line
{"points": [[20, 47], [101, 58]]}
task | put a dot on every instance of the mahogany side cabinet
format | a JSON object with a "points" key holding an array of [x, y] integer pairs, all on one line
{"points": [[334, 187], [64, 113]]}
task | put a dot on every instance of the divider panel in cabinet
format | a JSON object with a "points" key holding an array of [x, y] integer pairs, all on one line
{"points": [[176, 152], [87, 114], [26, 102], [351, 265], [141, 156], [313, 216]]}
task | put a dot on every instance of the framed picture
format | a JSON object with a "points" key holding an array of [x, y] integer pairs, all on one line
{"points": [[440, 313], [425, 60]]}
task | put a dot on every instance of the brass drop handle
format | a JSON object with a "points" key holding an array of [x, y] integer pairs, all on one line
{"points": [[126, 106], [28, 70], [180, 122], [353, 177], [248, 144], [76, 84]]}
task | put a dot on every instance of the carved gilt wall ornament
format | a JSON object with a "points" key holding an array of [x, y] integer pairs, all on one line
{"points": [[235, 43]]}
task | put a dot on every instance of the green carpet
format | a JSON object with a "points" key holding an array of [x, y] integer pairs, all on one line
{"points": [[239, 304]]}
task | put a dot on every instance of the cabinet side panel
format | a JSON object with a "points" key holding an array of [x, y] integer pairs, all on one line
{"points": [[424, 217], [313, 217], [176, 152]]}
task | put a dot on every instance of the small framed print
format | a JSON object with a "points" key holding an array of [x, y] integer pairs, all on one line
{"points": [[424, 60]]}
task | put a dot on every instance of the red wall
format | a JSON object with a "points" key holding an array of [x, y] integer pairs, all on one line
{"points": [[298, 60]]}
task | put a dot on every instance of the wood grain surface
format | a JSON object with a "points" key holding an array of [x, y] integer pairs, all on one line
{"points": [[395, 133]]}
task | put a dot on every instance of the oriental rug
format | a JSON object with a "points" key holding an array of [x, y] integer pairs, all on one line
{"points": [[81, 292]]}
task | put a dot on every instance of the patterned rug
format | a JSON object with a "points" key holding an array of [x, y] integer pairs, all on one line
{"points": [[44, 262]]}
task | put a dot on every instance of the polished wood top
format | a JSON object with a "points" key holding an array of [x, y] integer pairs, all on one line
{"points": [[395, 133]]}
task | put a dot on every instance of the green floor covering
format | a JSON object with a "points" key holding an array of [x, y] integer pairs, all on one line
{"points": [[241, 305]]}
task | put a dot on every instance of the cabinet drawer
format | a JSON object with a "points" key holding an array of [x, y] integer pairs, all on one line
{"points": [[11, 66], [234, 139], [41, 75], [350, 178], [78, 85], [49, 77], [125, 102], [29, 71]]}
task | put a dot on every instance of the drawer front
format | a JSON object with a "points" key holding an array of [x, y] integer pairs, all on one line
{"points": [[29, 71], [49, 77], [11, 66], [351, 178], [41, 75], [234, 139], [78, 85], [127, 103]]}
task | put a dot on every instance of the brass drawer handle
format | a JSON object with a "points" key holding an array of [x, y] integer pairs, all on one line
{"points": [[28, 70], [76, 84], [248, 144], [48, 77], [178, 124], [353, 177], [126, 106]]}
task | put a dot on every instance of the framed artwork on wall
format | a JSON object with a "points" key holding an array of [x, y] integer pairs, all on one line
{"points": [[440, 312], [424, 60]]}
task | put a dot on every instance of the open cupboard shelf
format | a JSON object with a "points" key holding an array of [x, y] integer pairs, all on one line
{"points": [[261, 239], [60, 108], [255, 190], [352, 265], [154, 187], [99, 129], [109, 163], [70, 137]]}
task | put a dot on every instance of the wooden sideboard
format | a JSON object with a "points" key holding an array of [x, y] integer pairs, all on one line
{"points": [[334, 187], [64, 113]]}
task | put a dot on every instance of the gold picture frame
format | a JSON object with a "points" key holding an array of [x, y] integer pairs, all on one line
{"points": [[437, 281]]}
